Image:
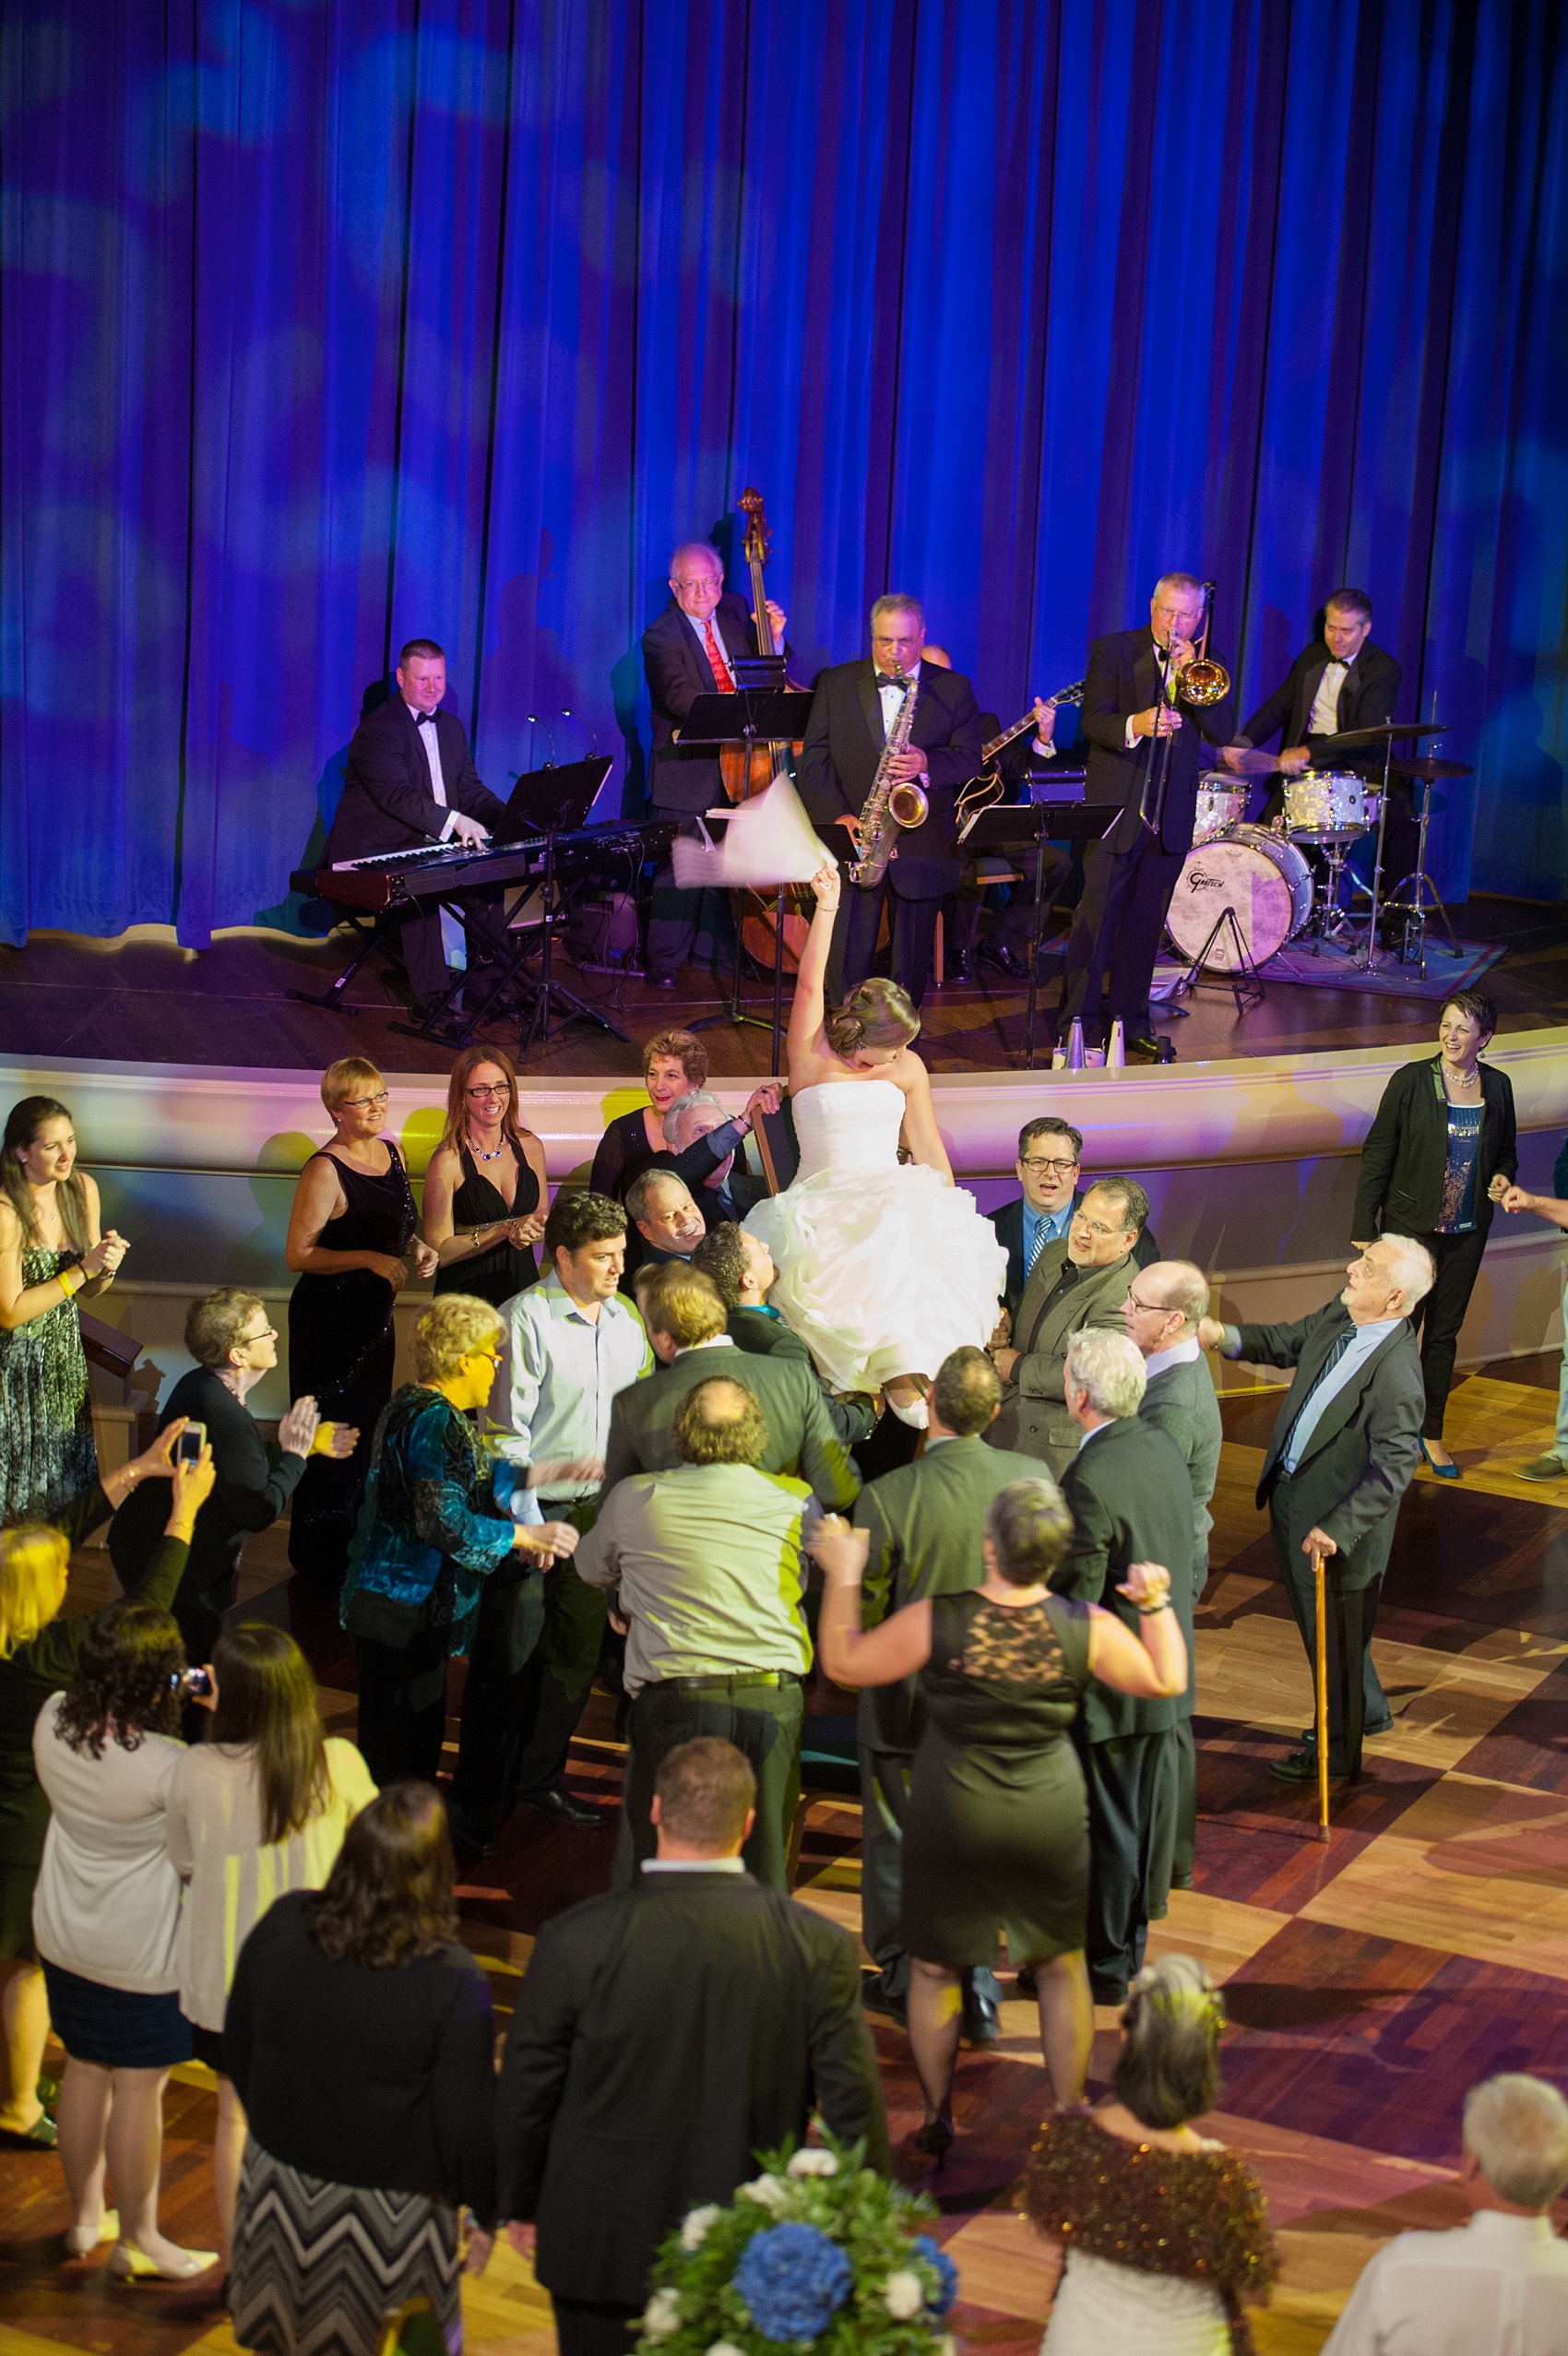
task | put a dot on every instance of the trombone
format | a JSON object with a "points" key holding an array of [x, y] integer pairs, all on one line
{"points": [[1200, 681]]}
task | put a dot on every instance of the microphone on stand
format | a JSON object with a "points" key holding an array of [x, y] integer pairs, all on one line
{"points": [[534, 721]]}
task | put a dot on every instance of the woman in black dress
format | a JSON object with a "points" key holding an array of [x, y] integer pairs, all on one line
{"points": [[352, 1224], [996, 1840], [486, 1192], [674, 1063]]}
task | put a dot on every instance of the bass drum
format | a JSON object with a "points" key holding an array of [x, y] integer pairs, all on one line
{"points": [[1263, 878]]}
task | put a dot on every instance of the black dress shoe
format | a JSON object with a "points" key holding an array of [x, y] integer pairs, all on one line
{"points": [[471, 1831], [1301, 1766], [1154, 1046], [996, 953], [662, 982], [982, 2021], [876, 1999], [961, 969], [561, 1809]]}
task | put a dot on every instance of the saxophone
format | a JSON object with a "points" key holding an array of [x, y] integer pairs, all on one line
{"points": [[893, 803]]}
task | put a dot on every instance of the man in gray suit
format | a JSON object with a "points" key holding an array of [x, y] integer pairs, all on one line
{"points": [[926, 1521], [1339, 1461], [1162, 1313], [1078, 1284]]}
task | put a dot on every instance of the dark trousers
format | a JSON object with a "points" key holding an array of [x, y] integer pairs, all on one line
{"points": [[1176, 1872], [1131, 1781], [1457, 1259], [682, 925], [913, 925], [1354, 1693], [884, 1804], [510, 1623], [761, 1720], [596, 2327], [402, 1721], [424, 954], [551, 1691], [1115, 937]]}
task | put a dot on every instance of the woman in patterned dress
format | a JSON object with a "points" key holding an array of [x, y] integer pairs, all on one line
{"points": [[52, 1249]]}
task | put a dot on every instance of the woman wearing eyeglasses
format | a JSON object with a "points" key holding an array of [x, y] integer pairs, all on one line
{"points": [[234, 1343], [351, 1227], [485, 1191]]}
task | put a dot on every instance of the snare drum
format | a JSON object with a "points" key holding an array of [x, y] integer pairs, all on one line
{"points": [[1222, 803], [1321, 803], [1264, 879]]}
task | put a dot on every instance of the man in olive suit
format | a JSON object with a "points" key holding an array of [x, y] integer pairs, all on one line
{"points": [[1077, 1282]]}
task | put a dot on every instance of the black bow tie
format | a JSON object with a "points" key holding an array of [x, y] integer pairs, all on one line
{"points": [[426, 720], [892, 679]]}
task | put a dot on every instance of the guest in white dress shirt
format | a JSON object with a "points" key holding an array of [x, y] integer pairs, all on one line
{"points": [[1499, 2285]]}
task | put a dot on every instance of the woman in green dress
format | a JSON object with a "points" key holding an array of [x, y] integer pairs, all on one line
{"points": [[52, 1249], [996, 1841]]}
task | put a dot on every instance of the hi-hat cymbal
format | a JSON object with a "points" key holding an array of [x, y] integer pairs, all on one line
{"points": [[1430, 771], [1384, 729]]}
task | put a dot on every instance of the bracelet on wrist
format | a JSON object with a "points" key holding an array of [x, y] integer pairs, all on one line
{"points": [[1148, 1611]]}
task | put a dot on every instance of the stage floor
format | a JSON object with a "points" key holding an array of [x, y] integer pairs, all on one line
{"points": [[143, 999], [1369, 1983]]}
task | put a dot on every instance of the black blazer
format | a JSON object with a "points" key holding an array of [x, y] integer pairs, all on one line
{"points": [[1009, 1224], [1367, 694], [1364, 1449], [1403, 1162], [1130, 1502], [1123, 678], [766, 1336], [843, 745], [663, 2036], [678, 673], [387, 804]]}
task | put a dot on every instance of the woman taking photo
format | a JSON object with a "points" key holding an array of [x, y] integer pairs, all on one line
{"points": [[353, 1222], [1166, 2234], [485, 1191], [674, 1063], [261, 1807], [38, 1652], [1439, 1155], [996, 1841], [359, 2035], [52, 1249]]}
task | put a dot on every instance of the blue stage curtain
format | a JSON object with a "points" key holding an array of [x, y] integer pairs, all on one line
{"points": [[327, 325]]}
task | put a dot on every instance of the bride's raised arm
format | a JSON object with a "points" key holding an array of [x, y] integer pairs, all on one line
{"points": [[805, 1040], [920, 1133]]}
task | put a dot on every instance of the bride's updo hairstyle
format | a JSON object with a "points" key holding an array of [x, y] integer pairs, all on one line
{"points": [[875, 1014]]}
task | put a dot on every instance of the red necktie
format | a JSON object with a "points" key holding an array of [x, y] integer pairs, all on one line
{"points": [[717, 664]]}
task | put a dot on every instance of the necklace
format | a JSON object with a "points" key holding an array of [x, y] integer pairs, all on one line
{"points": [[1461, 1079], [478, 1150]]}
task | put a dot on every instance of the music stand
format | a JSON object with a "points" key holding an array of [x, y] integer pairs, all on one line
{"points": [[1012, 825], [552, 801]]}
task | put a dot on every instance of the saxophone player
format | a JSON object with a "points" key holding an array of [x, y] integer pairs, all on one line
{"points": [[855, 708]]}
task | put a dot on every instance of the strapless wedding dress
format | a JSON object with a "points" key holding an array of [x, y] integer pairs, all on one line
{"points": [[882, 1268], [1102, 2309]]}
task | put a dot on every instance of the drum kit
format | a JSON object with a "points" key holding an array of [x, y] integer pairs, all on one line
{"points": [[1244, 890]]}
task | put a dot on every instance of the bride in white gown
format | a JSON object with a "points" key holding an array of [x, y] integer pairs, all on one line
{"points": [[884, 1266]]}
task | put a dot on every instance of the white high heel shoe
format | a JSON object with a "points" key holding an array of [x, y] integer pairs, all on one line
{"points": [[127, 2265], [82, 2240]]}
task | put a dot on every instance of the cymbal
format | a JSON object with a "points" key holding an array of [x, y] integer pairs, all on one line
{"points": [[1429, 769], [1387, 728]]}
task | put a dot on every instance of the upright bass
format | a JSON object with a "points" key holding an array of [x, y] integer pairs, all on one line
{"points": [[749, 770]]}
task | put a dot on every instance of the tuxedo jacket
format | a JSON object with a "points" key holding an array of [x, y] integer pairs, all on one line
{"points": [[1363, 1451], [800, 1437], [678, 673], [1126, 1489], [1367, 694], [1009, 1224], [1404, 1159], [766, 1336], [663, 2036], [387, 804], [1122, 678], [1034, 1415], [1181, 1400], [843, 745]]}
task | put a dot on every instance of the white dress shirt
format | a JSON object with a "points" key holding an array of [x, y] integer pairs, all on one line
{"points": [[1180, 1353], [454, 940], [558, 1374], [1324, 719], [693, 1865], [1495, 2286]]}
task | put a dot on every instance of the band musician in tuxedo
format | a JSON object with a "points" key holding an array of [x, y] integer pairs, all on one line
{"points": [[1130, 873], [689, 651], [852, 712], [410, 779]]}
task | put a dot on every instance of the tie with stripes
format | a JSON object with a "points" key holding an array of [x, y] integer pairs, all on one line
{"points": [[1341, 1345]]}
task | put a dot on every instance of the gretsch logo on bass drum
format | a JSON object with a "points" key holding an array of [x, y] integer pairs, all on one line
{"points": [[1198, 882]]}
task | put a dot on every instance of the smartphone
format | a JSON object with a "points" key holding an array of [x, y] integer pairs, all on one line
{"points": [[198, 1683], [190, 1443]]}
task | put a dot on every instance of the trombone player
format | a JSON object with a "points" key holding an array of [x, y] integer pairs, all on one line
{"points": [[1147, 751]]}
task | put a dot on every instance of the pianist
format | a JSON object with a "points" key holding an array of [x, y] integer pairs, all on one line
{"points": [[411, 780]]}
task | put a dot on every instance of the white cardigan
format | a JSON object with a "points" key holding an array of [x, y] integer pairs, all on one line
{"points": [[107, 1905]]}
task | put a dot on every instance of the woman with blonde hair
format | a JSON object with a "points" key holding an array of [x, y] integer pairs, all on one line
{"points": [[38, 1652], [352, 1228], [486, 1191]]}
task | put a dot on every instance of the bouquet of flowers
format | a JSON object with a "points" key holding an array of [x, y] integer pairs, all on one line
{"points": [[817, 2252]]}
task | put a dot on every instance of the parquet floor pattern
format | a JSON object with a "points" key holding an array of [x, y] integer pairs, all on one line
{"points": [[1369, 1982]]}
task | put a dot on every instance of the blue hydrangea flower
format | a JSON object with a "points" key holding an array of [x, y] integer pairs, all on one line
{"points": [[946, 2272], [792, 2279]]}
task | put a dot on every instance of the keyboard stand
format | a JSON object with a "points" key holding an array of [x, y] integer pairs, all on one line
{"points": [[373, 935]]}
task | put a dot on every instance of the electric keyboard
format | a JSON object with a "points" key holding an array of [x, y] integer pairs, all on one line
{"points": [[435, 871]]}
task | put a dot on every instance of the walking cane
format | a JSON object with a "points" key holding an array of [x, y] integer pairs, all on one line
{"points": [[1320, 1601]]}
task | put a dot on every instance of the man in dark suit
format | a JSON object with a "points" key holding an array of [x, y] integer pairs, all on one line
{"points": [[663, 2036], [1338, 683], [685, 1320], [1077, 1282], [729, 1190], [410, 779], [1342, 1453], [690, 650], [1163, 1313], [1130, 873], [1127, 1491], [926, 1521], [1050, 1161], [743, 1269], [852, 713]]}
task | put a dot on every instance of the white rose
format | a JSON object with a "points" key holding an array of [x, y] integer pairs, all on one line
{"points": [[904, 2294], [725, 2348], [946, 2346], [811, 2162], [662, 2316], [698, 2225], [770, 2192]]}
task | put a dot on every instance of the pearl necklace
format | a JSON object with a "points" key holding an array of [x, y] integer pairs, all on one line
{"points": [[1465, 1080]]}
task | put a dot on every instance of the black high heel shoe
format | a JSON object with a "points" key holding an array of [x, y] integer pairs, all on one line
{"points": [[935, 2140]]}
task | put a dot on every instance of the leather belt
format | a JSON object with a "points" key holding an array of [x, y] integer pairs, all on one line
{"points": [[729, 1683]]}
